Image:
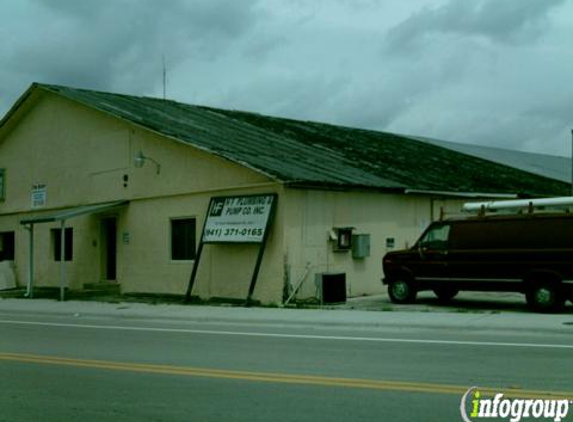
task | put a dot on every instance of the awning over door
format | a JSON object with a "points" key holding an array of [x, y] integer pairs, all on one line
{"points": [[68, 213], [61, 216]]}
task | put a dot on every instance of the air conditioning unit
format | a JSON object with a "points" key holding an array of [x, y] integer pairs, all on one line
{"points": [[331, 287]]}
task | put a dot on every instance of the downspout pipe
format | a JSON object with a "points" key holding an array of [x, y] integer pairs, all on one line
{"points": [[62, 259], [30, 286]]}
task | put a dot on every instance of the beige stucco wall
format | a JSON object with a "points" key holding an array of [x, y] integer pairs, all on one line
{"points": [[83, 156], [85, 266], [225, 270], [86, 157], [311, 214]]}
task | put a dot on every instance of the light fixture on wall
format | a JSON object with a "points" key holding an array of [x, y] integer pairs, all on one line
{"points": [[139, 161]]}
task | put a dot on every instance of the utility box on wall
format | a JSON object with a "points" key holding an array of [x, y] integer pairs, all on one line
{"points": [[342, 239], [331, 287], [360, 246]]}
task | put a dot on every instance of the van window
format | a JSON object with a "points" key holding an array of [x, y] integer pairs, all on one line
{"points": [[519, 233], [478, 235], [550, 233], [436, 237]]}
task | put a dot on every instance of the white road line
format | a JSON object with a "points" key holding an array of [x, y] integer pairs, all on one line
{"points": [[293, 336]]}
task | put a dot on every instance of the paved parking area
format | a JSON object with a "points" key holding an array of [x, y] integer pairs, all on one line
{"points": [[464, 302]]}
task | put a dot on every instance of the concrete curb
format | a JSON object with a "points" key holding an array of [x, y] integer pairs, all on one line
{"points": [[351, 319]]}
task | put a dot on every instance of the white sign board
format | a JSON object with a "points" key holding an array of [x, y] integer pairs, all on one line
{"points": [[238, 219], [39, 196]]}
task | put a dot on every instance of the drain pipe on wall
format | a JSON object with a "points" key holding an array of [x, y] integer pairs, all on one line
{"points": [[63, 275], [29, 287]]}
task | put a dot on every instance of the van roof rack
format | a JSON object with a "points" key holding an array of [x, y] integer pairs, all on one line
{"points": [[520, 206]]}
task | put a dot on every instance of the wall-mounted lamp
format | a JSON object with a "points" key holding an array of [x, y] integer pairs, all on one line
{"points": [[139, 161]]}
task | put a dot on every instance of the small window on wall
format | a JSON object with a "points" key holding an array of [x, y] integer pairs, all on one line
{"points": [[57, 244], [183, 239], [2, 184], [7, 246]]}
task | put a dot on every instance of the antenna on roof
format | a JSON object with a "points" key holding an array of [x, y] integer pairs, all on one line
{"points": [[164, 77]]}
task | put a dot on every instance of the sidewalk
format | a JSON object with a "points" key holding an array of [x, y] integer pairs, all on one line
{"points": [[335, 317]]}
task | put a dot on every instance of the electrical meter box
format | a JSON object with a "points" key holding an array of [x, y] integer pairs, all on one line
{"points": [[342, 239], [360, 246]]}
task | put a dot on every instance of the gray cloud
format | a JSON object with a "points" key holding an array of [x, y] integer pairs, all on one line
{"points": [[500, 21], [259, 48], [493, 72], [118, 45]]}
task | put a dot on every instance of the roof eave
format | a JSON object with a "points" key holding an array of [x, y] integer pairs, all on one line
{"points": [[455, 194], [311, 184]]}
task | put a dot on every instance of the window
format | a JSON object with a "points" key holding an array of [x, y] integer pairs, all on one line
{"points": [[57, 243], [436, 237], [183, 239], [2, 184], [7, 246]]}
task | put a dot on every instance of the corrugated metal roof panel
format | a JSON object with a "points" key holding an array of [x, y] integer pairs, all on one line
{"points": [[552, 166]]}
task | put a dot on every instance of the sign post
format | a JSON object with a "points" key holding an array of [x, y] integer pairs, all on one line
{"points": [[237, 219]]}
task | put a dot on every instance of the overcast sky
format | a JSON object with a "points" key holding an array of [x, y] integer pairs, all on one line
{"points": [[488, 72]]}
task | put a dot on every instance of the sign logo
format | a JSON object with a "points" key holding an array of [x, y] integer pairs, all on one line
{"points": [[512, 409], [217, 207]]}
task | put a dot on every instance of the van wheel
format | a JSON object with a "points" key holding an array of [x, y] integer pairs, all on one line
{"points": [[545, 297], [402, 291], [445, 294]]}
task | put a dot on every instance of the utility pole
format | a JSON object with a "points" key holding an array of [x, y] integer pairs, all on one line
{"points": [[164, 77]]}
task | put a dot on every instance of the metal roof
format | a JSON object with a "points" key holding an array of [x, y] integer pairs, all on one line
{"points": [[315, 154], [552, 166]]}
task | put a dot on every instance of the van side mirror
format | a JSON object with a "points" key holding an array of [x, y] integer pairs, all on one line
{"points": [[421, 247]]}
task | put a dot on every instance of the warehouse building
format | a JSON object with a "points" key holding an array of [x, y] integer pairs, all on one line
{"points": [[105, 188]]}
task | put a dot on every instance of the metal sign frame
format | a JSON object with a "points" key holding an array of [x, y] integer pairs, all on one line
{"points": [[262, 243]]}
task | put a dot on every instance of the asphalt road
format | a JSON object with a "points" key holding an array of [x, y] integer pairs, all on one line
{"points": [[107, 368]]}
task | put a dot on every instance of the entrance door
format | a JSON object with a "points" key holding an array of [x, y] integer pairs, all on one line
{"points": [[109, 249]]}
